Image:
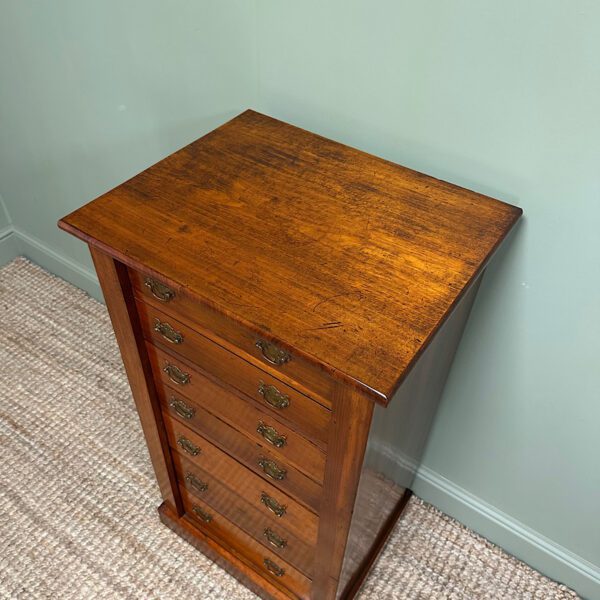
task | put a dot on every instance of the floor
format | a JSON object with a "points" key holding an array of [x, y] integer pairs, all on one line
{"points": [[77, 492]]}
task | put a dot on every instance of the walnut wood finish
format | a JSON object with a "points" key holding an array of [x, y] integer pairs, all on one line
{"points": [[236, 476], [221, 528], [362, 274], [244, 210], [346, 448], [303, 415], [298, 372], [296, 519], [121, 308], [240, 447], [394, 449], [246, 516], [240, 414], [368, 559], [227, 558], [200, 350]]}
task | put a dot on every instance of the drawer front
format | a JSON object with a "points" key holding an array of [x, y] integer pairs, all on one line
{"points": [[183, 306], [259, 426], [266, 562], [261, 494], [285, 514], [257, 458], [247, 447], [267, 530], [300, 412]]}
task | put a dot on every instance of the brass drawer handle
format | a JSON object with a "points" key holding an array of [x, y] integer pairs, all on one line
{"points": [[204, 516], [272, 469], [273, 568], [273, 396], [274, 506], [176, 375], [188, 446], [181, 408], [194, 482], [274, 539], [271, 435], [271, 353], [167, 331], [159, 290]]}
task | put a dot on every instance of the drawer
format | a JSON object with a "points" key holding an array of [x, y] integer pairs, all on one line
{"points": [[244, 445], [183, 306], [267, 563], [264, 528], [259, 492], [261, 460], [205, 395], [284, 513], [300, 412]]}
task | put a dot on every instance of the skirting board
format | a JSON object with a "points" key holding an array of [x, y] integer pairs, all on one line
{"points": [[19, 243], [521, 541], [516, 538]]}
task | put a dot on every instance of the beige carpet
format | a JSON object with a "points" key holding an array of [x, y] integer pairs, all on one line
{"points": [[78, 499]]}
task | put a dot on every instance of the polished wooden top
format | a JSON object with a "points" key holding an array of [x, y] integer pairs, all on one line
{"points": [[346, 258]]}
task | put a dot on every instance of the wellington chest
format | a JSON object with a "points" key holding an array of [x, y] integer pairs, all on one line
{"points": [[287, 310]]}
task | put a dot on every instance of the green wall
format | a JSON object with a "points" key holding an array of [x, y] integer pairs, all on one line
{"points": [[501, 97], [4, 218], [92, 92]]}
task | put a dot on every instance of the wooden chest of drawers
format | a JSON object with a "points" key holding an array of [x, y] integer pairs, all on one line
{"points": [[287, 309]]}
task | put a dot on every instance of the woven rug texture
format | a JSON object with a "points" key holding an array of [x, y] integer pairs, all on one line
{"points": [[78, 498]]}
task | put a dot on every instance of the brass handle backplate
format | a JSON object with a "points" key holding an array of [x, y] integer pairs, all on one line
{"points": [[196, 483], [181, 408], [176, 375], [274, 506], [188, 446], [273, 396], [271, 353], [274, 539], [167, 331], [272, 469], [271, 435], [159, 290], [274, 568], [204, 516]]}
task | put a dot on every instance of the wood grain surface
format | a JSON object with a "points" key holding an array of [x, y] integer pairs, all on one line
{"points": [[249, 453], [227, 558], [348, 435], [205, 351], [254, 522], [121, 308], [351, 261], [233, 537], [244, 417], [296, 519], [237, 477], [306, 376], [302, 414]]}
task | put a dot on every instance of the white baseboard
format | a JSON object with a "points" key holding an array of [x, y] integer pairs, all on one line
{"points": [[55, 262], [541, 553], [544, 555]]}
